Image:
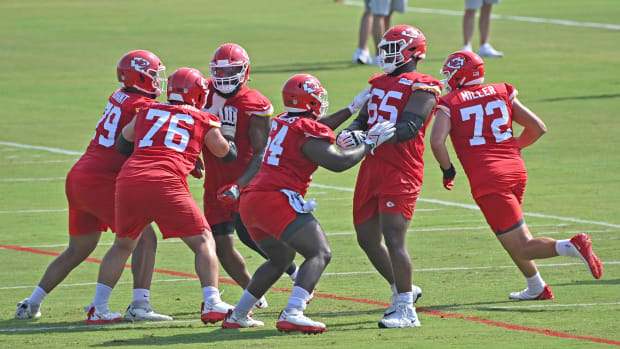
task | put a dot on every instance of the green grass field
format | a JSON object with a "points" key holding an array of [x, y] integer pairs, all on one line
{"points": [[59, 60]]}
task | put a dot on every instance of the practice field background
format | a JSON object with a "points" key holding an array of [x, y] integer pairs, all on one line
{"points": [[59, 59]]}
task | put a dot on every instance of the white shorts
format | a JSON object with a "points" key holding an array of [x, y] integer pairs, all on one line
{"points": [[385, 7], [476, 4]]}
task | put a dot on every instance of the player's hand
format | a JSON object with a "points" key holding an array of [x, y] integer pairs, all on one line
{"points": [[229, 193], [198, 169], [350, 139], [359, 101], [380, 133], [448, 177], [228, 117]]}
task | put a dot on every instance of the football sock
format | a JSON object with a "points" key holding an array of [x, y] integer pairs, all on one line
{"points": [[102, 297], [245, 304], [37, 296], [566, 248], [210, 294], [393, 288], [299, 298], [293, 274], [535, 283], [141, 295], [405, 297]]}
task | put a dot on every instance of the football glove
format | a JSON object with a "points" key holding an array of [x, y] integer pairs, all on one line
{"points": [[228, 117], [198, 169], [359, 101], [448, 177], [229, 193], [379, 133], [350, 139]]}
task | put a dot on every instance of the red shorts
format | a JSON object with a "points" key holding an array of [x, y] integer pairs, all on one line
{"points": [[265, 213], [91, 202], [217, 211], [502, 209], [166, 201], [389, 191]]}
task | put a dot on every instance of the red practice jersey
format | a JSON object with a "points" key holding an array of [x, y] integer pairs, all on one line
{"points": [[101, 156], [249, 103], [168, 141], [284, 165], [389, 95], [481, 132]]}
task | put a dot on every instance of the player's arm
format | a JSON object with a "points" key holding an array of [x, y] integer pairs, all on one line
{"points": [[258, 132], [359, 103], [418, 109], [328, 156], [439, 134], [534, 127], [220, 146], [125, 140]]}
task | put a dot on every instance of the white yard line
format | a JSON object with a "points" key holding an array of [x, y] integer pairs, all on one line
{"points": [[33, 211], [37, 147], [562, 22]]}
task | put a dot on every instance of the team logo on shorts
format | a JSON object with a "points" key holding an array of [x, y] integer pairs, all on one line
{"points": [[390, 204]]}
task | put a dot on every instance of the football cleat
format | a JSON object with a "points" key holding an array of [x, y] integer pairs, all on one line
{"points": [[290, 322], [526, 295], [95, 317], [417, 294], [404, 315], [583, 244], [27, 310], [214, 312], [141, 311], [261, 303], [230, 321]]}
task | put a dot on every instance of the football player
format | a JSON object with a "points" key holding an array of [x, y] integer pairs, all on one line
{"points": [[389, 180], [152, 186], [478, 117], [90, 190], [300, 140], [245, 115]]}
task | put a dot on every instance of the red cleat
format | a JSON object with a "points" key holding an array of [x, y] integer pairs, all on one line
{"points": [[298, 322], [583, 244], [214, 312]]}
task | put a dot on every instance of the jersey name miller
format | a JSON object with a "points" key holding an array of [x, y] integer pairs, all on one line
{"points": [[483, 92]]}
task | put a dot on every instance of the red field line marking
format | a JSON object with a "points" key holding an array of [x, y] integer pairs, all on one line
{"points": [[364, 301]]}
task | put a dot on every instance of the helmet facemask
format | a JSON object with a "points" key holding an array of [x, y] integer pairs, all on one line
{"points": [[391, 56], [227, 76]]}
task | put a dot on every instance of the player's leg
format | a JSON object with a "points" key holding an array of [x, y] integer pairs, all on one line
{"points": [[142, 265], [370, 239], [394, 227], [230, 259], [469, 20], [244, 236], [80, 247], [279, 257], [110, 271], [207, 269], [306, 236]]}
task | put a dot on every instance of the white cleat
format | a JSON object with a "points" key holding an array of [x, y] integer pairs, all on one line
{"points": [[467, 48], [290, 322], [231, 321], [417, 294], [528, 295], [27, 310], [96, 317], [141, 311], [362, 57], [260, 304], [487, 50], [214, 312], [403, 316]]}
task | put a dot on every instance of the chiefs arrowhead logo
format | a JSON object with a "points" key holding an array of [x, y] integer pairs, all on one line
{"points": [[410, 33], [139, 63], [310, 86], [456, 63]]}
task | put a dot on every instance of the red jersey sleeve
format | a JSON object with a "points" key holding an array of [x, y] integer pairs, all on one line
{"points": [[314, 129], [256, 104]]}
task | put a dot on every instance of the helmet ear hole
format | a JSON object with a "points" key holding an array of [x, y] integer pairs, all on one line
{"points": [[142, 79]]}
